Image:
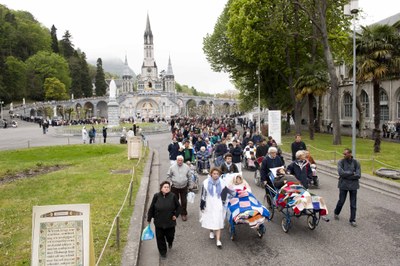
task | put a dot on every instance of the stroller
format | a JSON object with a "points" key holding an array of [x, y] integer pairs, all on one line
{"points": [[257, 173], [203, 161], [195, 179], [293, 200]]}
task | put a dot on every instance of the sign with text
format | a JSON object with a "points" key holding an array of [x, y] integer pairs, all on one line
{"points": [[274, 126], [134, 147], [61, 235]]}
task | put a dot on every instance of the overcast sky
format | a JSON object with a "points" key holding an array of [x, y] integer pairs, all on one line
{"points": [[111, 29]]}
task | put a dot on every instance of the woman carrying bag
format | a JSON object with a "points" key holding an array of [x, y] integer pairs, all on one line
{"points": [[164, 208]]}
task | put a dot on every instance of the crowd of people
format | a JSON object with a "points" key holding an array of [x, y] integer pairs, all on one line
{"points": [[217, 147]]}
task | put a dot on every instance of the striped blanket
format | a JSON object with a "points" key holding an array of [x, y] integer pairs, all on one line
{"points": [[298, 198], [245, 208]]}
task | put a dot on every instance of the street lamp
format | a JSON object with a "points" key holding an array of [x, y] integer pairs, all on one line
{"points": [[259, 101], [352, 10], [1, 109]]}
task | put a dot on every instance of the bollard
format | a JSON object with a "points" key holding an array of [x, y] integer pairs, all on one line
{"points": [[130, 193], [118, 233], [373, 165]]}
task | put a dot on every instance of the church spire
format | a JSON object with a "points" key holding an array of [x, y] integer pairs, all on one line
{"points": [[169, 69], [148, 35]]}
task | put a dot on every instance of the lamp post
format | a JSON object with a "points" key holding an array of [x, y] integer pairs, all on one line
{"points": [[352, 10], [1, 109], [259, 101]]}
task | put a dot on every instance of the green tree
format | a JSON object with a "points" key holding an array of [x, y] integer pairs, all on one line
{"points": [[75, 69], [46, 65], [54, 40], [15, 78], [100, 81], [55, 90], [67, 48], [378, 58], [86, 79]]}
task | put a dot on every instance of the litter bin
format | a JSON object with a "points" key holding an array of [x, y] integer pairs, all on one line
{"points": [[134, 147]]}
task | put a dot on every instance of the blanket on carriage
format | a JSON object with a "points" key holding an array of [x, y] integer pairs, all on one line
{"points": [[246, 209], [298, 198]]}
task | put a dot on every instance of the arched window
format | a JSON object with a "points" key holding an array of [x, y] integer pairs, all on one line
{"points": [[365, 102], [347, 105], [383, 98], [398, 107]]}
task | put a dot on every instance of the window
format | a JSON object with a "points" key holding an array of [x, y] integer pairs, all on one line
{"points": [[347, 105], [365, 102], [383, 97], [398, 107]]}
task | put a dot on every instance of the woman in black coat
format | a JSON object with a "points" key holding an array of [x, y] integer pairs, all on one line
{"points": [[164, 208]]}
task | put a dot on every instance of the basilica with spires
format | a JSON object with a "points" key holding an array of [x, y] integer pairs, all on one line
{"points": [[151, 93]]}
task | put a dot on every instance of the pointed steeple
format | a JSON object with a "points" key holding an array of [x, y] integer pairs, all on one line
{"points": [[169, 69], [148, 35], [126, 72]]}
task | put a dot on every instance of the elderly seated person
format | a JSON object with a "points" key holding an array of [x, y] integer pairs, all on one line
{"points": [[282, 178], [301, 169]]}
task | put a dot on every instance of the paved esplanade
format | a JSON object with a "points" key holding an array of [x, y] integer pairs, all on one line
{"points": [[376, 240]]}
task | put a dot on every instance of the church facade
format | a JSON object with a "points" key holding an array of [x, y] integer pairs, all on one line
{"points": [[150, 94]]}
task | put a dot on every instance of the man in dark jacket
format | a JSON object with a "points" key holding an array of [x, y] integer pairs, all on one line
{"points": [[262, 149], [200, 143], [173, 149], [297, 145], [349, 173], [237, 153], [227, 166], [271, 160], [220, 150]]}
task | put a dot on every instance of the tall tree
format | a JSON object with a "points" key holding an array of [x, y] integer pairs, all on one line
{"points": [[67, 48], [54, 40], [75, 69], [86, 80], [378, 58], [15, 80], [319, 13], [100, 81]]}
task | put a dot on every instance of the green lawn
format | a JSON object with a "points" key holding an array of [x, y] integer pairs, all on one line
{"points": [[321, 148], [85, 178]]}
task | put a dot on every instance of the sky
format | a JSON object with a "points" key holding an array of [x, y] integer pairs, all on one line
{"points": [[113, 29]]}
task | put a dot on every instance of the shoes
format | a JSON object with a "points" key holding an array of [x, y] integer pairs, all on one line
{"points": [[163, 256], [212, 235], [336, 216], [219, 244], [169, 245], [184, 218], [353, 223]]}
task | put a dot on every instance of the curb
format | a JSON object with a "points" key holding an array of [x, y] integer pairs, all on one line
{"points": [[131, 251]]}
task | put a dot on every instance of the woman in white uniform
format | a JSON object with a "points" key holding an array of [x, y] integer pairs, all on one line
{"points": [[213, 196]]}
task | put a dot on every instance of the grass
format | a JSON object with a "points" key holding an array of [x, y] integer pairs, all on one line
{"points": [[321, 148], [86, 178]]}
